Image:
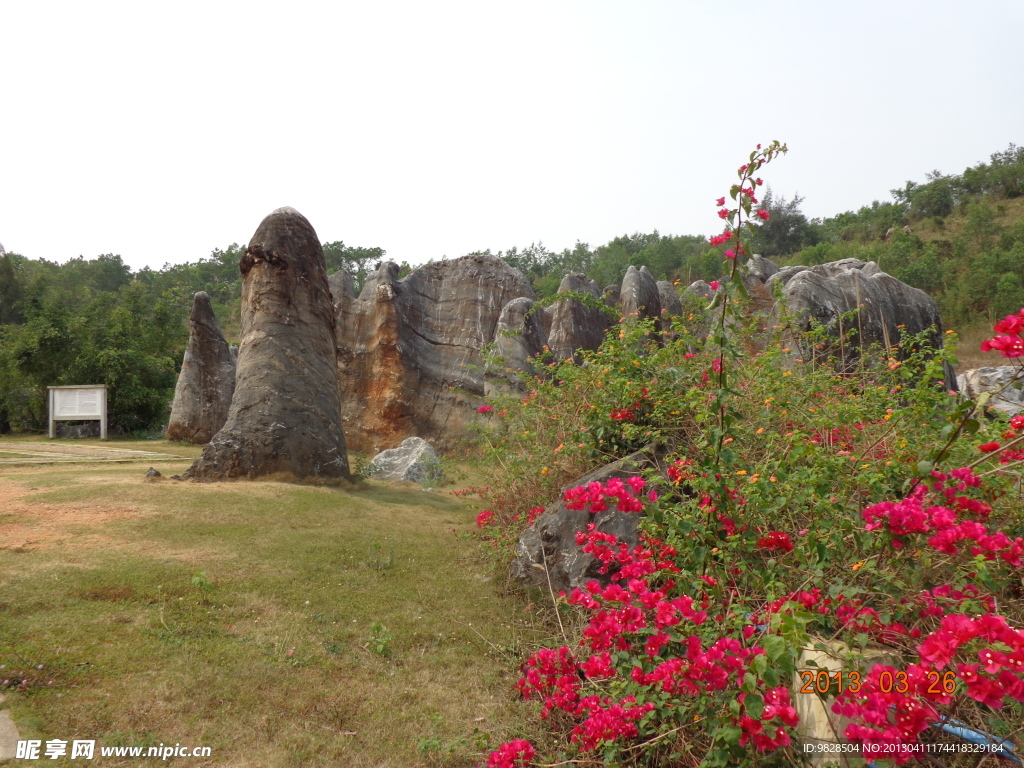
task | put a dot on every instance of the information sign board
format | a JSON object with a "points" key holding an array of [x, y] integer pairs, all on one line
{"points": [[78, 403]]}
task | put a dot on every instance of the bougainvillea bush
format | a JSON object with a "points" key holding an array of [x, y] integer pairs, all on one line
{"points": [[865, 511]]}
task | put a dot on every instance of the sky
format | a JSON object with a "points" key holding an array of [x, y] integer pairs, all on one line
{"points": [[161, 131]]}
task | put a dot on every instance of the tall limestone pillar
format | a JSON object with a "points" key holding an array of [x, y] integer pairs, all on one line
{"points": [[285, 416]]}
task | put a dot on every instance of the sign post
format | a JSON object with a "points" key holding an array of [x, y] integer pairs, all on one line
{"points": [[86, 402]]}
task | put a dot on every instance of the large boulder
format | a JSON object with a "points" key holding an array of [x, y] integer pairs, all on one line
{"points": [[759, 269], [640, 297], [519, 337], [413, 461], [1003, 382], [671, 304], [822, 294], [612, 296], [576, 325], [206, 383], [410, 360], [548, 548], [700, 289], [285, 414], [639, 294]]}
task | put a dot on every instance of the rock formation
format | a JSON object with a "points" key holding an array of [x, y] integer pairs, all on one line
{"points": [[550, 543], [574, 324], [671, 304], [639, 294], [1002, 381], [285, 414], [701, 289], [888, 306], [519, 336], [410, 361], [413, 461], [206, 383], [760, 269]]}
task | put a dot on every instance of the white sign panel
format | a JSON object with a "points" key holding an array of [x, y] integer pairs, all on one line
{"points": [[74, 404], [78, 403]]}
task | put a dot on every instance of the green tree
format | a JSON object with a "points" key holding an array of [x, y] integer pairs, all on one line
{"points": [[355, 260], [786, 231], [11, 293]]}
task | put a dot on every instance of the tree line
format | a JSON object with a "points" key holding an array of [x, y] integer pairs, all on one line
{"points": [[94, 321]]}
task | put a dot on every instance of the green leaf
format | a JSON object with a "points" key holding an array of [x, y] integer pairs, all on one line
{"points": [[749, 683], [730, 734], [774, 646], [754, 705], [759, 665], [925, 467], [971, 425]]}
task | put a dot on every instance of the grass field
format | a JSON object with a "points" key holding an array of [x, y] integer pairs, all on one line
{"points": [[277, 624]]}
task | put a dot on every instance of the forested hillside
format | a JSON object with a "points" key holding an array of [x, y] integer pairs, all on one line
{"points": [[959, 237], [94, 321]]}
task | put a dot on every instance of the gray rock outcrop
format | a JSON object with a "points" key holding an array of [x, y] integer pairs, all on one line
{"points": [[639, 294], [760, 269], [410, 361], [549, 548], [575, 325], [700, 288], [1002, 381], [821, 294], [206, 383], [519, 337], [285, 414], [671, 304], [413, 461], [783, 276]]}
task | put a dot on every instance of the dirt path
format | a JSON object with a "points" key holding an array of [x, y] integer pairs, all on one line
{"points": [[41, 453]]}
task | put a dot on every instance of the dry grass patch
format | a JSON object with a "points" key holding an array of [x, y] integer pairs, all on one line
{"points": [[280, 625]]}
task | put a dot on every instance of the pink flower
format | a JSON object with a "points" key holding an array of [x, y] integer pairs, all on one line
{"points": [[730, 254], [988, 447], [484, 518], [764, 215], [1012, 324], [511, 755], [720, 201], [723, 212], [713, 285], [484, 409], [776, 540]]}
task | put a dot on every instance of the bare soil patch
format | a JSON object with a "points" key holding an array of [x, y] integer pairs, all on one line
{"points": [[27, 525]]}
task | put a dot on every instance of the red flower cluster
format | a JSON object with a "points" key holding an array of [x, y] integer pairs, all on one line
{"points": [[1008, 342], [887, 714], [725, 237], [776, 706], [593, 495], [678, 471], [485, 409], [514, 754], [624, 414], [776, 540], [484, 518], [631, 563], [910, 515]]}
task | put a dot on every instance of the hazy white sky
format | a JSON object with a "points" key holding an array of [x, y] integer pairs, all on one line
{"points": [[162, 131]]}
